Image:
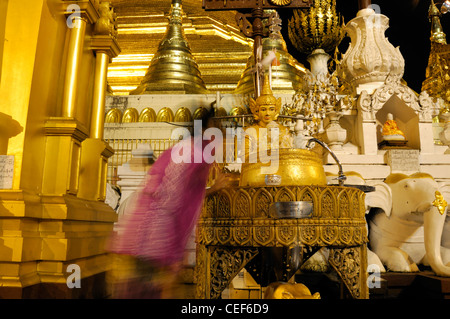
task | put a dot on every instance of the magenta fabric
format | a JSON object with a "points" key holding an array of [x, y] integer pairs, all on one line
{"points": [[166, 210]]}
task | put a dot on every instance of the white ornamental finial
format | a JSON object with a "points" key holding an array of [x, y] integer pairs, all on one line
{"points": [[370, 58]]}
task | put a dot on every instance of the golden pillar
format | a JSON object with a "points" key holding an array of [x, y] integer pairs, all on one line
{"points": [[95, 151], [98, 105], [47, 230], [76, 46], [65, 133]]}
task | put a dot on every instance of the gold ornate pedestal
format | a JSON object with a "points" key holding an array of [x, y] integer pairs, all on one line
{"points": [[235, 227]]}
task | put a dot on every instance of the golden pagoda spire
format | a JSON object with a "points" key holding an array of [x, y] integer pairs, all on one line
{"points": [[437, 34], [173, 68]]}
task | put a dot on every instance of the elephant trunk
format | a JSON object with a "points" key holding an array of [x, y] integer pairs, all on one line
{"points": [[433, 226]]}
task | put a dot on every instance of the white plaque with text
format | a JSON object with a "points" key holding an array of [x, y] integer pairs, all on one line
{"points": [[404, 160], [6, 171]]}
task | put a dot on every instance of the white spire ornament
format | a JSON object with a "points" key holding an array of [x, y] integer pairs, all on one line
{"points": [[370, 58]]}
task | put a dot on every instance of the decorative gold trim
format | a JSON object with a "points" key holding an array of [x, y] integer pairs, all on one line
{"points": [[164, 115], [280, 2], [351, 264], [147, 115], [131, 115], [199, 112], [240, 216], [440, 203], [57, 126], [107, 44], [274, 233], [183, 115], [211, 275], [88, 10], [397, 177], [113, 116]]}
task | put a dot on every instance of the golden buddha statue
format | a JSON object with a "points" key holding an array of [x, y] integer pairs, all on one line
{"points": [[261, 135], [390, 130], [270, 158]]}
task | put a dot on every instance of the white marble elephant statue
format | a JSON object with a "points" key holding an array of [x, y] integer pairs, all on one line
{"points": [[407, 227]]}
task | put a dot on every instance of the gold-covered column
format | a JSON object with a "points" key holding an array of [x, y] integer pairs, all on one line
{"points": [[66, 132], [95, 151], [76, 45], [98, 105]]}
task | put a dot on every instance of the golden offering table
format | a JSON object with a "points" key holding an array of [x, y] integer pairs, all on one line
{"points": [[236, 230]]}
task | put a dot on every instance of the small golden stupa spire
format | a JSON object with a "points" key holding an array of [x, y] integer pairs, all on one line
{"points": [[437, 33], [173, 68], [266, 90]]}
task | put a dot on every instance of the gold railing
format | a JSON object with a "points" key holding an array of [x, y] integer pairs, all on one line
{"points": [[124, 147]]}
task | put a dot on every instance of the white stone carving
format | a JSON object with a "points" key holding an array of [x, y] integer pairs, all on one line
{"points": [[370, 104], [370, 57]]}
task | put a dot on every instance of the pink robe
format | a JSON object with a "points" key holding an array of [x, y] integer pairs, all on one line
{"points": [[166, 210]]}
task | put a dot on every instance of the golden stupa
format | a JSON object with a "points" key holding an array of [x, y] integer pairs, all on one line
{"points": [[173, 69]]}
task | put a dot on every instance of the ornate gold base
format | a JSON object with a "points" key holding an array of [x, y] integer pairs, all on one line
{"points": [[218, 265], [236, 227]]}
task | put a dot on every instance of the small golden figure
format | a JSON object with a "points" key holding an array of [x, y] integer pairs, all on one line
{"points": [[391, 131], [283, 290]]}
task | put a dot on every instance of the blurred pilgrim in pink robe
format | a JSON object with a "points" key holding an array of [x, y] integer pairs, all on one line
{"points": [[165, 211]]}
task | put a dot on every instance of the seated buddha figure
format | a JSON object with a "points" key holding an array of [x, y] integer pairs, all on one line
{"points": [[269, 157], [266, 133], [390, 130]]}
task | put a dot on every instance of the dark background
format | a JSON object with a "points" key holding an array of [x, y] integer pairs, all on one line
{"points": [[409, 29]]}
